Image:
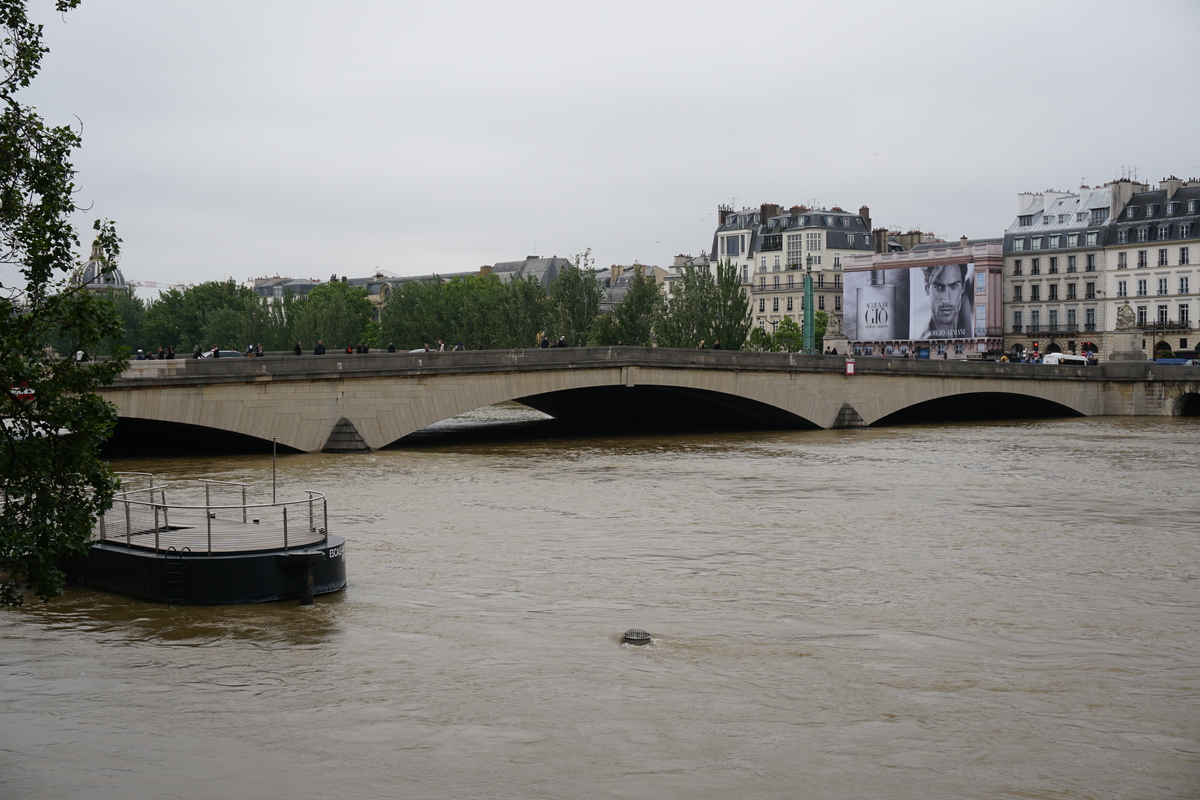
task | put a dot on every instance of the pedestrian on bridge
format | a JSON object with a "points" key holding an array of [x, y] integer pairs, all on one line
{"points": [[298, 350], [319, 350]]}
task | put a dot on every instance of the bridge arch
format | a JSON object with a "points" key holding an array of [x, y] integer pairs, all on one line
{"points": [[979, 406]]}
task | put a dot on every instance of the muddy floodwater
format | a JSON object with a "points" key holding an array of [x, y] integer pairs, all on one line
{"points": [[974, 610]]}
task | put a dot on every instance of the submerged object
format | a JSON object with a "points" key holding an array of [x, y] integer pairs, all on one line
{"points": [[635, 636]]}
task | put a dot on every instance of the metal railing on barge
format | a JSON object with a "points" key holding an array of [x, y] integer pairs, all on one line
{"points": [[141, 517]]}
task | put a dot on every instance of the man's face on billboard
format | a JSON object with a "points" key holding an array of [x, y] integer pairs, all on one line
{"points": [[945, 289]]}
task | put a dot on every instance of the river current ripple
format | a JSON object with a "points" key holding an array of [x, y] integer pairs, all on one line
{"points": [[996, 610]]}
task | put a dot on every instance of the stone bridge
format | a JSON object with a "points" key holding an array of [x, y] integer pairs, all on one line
{"points": [[341, 402]]}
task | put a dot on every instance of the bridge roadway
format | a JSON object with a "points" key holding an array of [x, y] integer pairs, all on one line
{"points": [[341, 402]]}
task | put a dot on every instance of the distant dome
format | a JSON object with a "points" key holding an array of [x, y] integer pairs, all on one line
{"points": [[92, 275]]}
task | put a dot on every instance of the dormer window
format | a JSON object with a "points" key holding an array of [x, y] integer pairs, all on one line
{"points": [[829, 220], [1191, 207], [1099, 215], [1025, 220], [1172, 208], [1131, 212], [1150, 210], [1046, 220], [1062, 218]]}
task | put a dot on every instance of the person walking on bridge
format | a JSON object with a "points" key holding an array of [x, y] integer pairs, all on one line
{"points": [[298, 350], [319, 350]]}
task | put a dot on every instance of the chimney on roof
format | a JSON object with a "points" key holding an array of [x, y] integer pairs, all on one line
{"points": [[485, 270], [722, 213], [530, 258], [767, 210], [865, 213], [616, 270], [962, 241], [1170, 186]]}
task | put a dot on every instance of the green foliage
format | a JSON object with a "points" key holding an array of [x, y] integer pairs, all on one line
{"points": [[217, 312], [335, 313], [706, 307], [789, 336], [820, 323], [575, 300], [51, 477], [762, 341], [638, 310]]}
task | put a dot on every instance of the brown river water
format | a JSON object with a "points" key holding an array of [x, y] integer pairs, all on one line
{"points": [[984, 610]]}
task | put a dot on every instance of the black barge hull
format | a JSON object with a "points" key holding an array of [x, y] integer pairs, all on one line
{"points": [[186, 578]]}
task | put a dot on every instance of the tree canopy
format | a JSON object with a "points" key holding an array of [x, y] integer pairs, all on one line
{"points": [[708, 308], [52, 421]]}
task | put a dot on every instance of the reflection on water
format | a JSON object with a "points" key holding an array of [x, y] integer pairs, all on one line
{"points": [[1006, 609]]}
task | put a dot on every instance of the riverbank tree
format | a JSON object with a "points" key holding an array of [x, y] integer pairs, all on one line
{"points": [[52, 420]]}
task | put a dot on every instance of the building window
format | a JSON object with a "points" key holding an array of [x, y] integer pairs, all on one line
{"points": [[731, 246], [1017, 294], [762, 281], [1183, 285], [1035, 266], [1092, 238], [775, 304], [745, 273], [1017, 267], [1164, 232], [789, 304], [1016, 322], [1162, 315], [820, 302], [941, 349], [1018, 244], [794, 242], [762, 304], [1191, 206], [1070, 263], [1053, 288], [762, 264], [1054, 240], [1141, 316], [1141, 287], [1122, 260], [958, 348], [1185, 230], [791, 281], [1035, 293], [837, 260], [777, 263], [821, 281], [1035, 320], [1183, 256], [1162, 256], [980, 283], [1053, 265], [1070, 291], [1089, 319], [814, 241], [1073, 239], [1091, 262], [1131, 212], [1098, 216], [1143, 234], [1141, 258], [1089, 290], [1162, 285], [1172, 208], [1122, 290], [1070, 319], [775, 281], [837, 302], [1036, 243], [1123, 236], [1025, 220], [1185, 316]]}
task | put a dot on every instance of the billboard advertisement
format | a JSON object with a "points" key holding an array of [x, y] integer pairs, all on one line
{"points": [[916, 303]]}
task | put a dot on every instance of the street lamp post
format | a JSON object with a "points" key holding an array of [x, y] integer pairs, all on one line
{"points": [[810, 331]]}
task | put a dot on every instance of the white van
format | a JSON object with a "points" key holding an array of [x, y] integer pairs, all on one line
{"points": [[1066, 359]]}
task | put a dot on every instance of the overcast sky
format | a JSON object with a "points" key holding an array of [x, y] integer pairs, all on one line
{"points": [[262, 137]]}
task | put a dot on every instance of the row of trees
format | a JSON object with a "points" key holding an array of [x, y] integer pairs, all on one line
{"points": [[481, 311]]}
